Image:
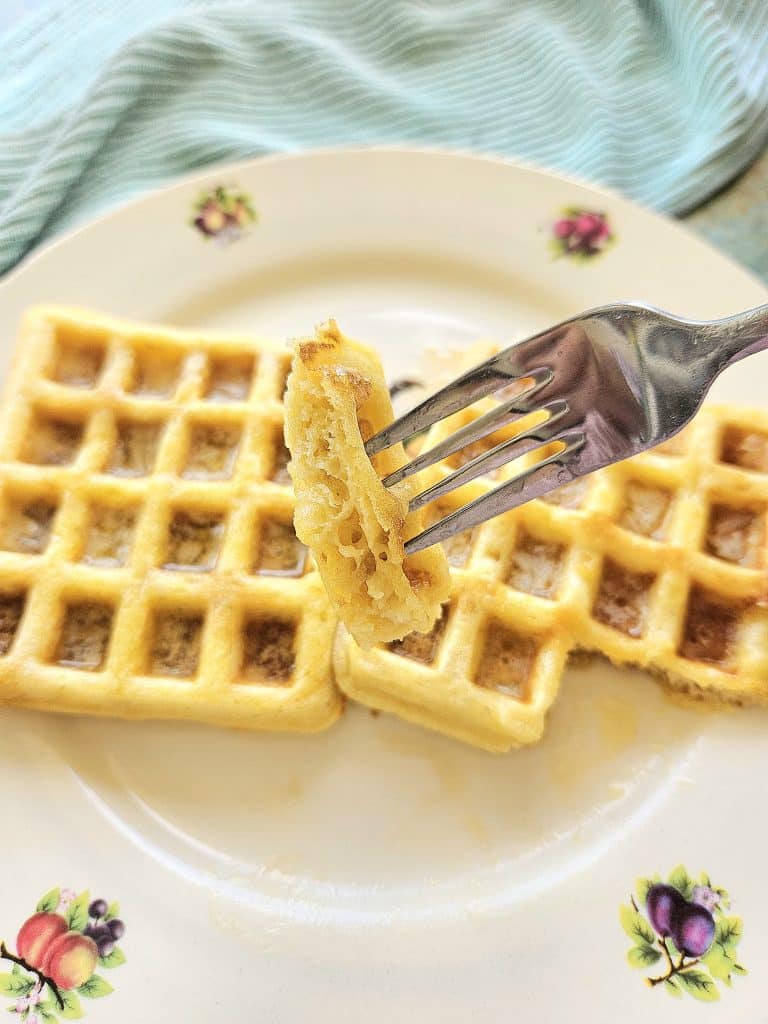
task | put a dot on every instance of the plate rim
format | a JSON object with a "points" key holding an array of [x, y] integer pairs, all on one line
{"points": [[234, 168]]}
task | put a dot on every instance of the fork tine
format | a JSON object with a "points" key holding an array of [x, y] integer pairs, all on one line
{"points": [[506, 496], [501, 454], [500, 416], [477, 383]]}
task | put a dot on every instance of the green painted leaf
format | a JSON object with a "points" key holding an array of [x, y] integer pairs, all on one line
{"points": [[73, 1009], [728, 932], [699, 985], [643, 955], [738, 969], [636, 926], [681, 881], [95, 988], [17, 983], [48, 903], [671, 986], [113, 910], [77, 913], [115, 958], [45, 1014], [717, 963]]}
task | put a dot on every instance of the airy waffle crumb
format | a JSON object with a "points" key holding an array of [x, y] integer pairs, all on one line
{"points": [[353, 525], [640, 563], [126, 445]]}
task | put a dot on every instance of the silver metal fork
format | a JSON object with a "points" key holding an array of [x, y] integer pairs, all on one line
{"points": [[612, 382]]}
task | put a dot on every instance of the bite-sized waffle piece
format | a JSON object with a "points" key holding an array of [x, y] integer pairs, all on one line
{"points": [[148, 564], [660, 562], [337, 398]]}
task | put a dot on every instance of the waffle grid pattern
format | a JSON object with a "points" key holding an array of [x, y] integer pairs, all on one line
{"points": [[147, 556], [659, 562]]}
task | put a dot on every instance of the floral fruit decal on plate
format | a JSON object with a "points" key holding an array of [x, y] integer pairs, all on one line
{"points": [[223, 213], [681, 928], [58, 950], [581, 234]]}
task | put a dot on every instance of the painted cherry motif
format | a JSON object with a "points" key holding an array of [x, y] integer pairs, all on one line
{"points": [[581, 233], [58, 950]]}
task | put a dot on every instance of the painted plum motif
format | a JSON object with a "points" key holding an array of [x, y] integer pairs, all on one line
{"points": [[223, 213], [684, 926]]}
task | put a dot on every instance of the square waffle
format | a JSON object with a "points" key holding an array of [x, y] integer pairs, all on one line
{"points": [[660, 561], [148, 564]]}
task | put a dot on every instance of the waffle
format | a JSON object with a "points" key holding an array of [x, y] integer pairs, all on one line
{"points": [[659, 562], [148, 564], [337, 398]]}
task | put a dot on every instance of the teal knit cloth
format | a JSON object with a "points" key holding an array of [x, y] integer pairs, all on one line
{"points": [[664, 100]]}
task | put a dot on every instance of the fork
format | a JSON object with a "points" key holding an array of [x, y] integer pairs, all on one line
{"points": [[607, 384]]}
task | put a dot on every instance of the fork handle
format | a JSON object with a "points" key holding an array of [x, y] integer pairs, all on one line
{"points": [[726, 341]]}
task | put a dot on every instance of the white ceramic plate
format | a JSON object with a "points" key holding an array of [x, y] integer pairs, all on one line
{"points": [[377, 872]]}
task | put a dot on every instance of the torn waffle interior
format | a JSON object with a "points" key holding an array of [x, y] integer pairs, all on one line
{"points": [[109, 536], [84, 636], [79, 360], [535, 565], [194, 540], [645, 509], [212, 451], [229, 378], [423, 647], [279, 551], [51, 441], [506, 661], [269, 650], [622, 598], [174, 648], [11, 610], [135, 449], [155, 373], [26, 524], [710, 629], [736, 534]]}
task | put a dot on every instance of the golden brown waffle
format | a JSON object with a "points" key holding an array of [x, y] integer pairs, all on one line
{"points": [[336, 398], [148, 565], [660, 561]]}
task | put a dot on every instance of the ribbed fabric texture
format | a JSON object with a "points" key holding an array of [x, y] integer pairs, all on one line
{"points": [[664, 100]]}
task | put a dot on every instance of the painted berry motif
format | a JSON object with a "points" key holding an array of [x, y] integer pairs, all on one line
{"points": [[581, 234], [683, 925], [58, 950], [223, 213]]}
